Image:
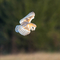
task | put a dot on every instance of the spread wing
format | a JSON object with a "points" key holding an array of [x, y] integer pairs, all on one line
{"points": [[23, 31], [27, 18]]}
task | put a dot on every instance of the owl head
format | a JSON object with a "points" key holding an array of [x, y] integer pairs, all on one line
{"points": [[32, 26]]}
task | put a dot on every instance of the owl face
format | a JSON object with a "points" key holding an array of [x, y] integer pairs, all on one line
{"points": [[26, 26], [33, 28]]}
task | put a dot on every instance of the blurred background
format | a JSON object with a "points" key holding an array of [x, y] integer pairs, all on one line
{"points": [[46, 37]]}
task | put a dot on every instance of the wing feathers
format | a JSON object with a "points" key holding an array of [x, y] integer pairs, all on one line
{"points": [[21, 30], [16, 28], [27, 18]]}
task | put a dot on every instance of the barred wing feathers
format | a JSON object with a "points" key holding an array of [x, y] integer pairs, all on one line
{"points": [[27, 18], [21, 30]]}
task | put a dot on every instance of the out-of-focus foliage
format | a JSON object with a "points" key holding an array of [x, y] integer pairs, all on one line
{"points": [[47, 34]]}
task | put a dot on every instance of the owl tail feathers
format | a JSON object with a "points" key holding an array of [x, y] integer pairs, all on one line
{"points": [[16, 28]]}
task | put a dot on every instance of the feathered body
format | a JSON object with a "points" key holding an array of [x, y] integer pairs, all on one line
{"points": [[26, 25]]}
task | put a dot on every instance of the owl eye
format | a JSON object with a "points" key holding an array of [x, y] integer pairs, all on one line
{"points": [[32, 27]]}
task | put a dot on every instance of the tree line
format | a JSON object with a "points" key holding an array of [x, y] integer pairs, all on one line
{"points": [[47, 34]]}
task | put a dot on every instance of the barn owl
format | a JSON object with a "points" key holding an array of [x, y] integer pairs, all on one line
{"points": [[26, 26]]}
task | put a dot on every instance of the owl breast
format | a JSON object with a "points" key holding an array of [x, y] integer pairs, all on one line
{"points": [[23, 31]]}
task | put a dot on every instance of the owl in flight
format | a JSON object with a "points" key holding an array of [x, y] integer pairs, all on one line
{"points": [[26, 26]]}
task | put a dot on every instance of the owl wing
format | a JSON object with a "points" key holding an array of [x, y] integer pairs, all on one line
{"points": [[27, 18], [16, 28], [22, 30]]}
